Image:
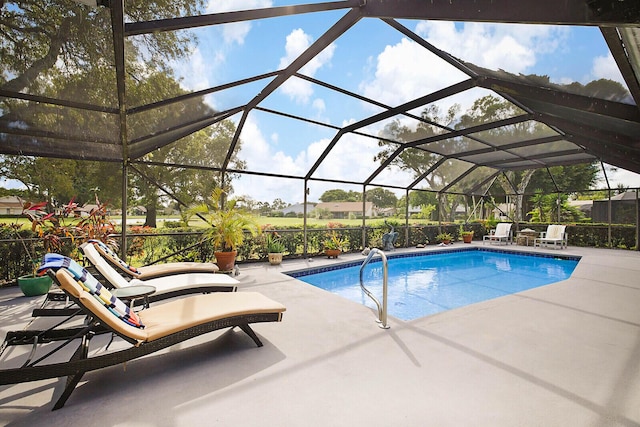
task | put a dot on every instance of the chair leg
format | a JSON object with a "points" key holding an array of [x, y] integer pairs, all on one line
{"points": [[72, 381], [247, 330]]}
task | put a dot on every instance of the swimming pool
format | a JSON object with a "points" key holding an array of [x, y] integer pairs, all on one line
{"points": [[428, 283]]}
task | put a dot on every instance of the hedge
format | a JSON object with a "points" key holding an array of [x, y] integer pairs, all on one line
{"points": [[146, 246]]}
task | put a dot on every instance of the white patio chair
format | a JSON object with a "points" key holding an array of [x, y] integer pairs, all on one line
{"points": [[502, 233], [555, 235]]}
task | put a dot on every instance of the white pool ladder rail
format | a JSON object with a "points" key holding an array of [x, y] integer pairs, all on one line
{"points": [[382, 309]]}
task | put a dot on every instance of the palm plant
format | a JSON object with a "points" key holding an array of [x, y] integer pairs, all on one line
{"points": [[228, 222]]}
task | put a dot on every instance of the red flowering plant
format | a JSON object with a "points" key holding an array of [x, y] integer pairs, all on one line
{"points": [[48, 228], [97, 226], [334, 239]]}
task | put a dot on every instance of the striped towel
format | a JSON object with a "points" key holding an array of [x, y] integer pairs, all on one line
{"points": [[91, 285]]}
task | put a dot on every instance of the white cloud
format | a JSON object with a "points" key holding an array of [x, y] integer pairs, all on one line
{"points": [[194, 71], [605, 67], [406, 71], [350, 160], [620, 176], [259, 155], [197, 70], [12, 184], [296, 43], [319, 105], [511, 47], [237, 31]]}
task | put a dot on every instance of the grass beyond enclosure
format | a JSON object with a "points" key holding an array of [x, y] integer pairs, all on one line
{"points": [[277, 222], [284, 222]]}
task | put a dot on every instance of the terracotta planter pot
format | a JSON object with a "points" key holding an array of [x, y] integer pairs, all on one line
{"points": [[226, 260], [467, 238], [332, 253], [275, 258], [33, 286]]}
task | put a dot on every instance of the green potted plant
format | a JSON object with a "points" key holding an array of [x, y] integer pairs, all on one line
{"points": [[275, 249], [444, 238], [467, 236], [228, 226], [334, 244]]}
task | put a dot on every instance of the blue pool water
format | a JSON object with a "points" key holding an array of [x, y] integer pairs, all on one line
{"points": [[427, 284]]}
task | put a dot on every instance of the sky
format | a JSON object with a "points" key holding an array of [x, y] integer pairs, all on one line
{"points": [[371, 59]]}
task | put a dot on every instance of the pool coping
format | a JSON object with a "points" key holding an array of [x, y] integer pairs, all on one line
{"points": [[347, 264]]}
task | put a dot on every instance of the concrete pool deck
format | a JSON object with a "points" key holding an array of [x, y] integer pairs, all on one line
{"points": [[566, 354]]}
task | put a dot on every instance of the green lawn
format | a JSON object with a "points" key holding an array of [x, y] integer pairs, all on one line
{"points": [[283, 223], [276, 222]]}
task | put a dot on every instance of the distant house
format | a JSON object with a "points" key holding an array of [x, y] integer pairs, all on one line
{"points": [[138, 210], [623, 209], [342, 210], [585, 206], [85, 210], [10, 205], [297, 209], [385, 212]]}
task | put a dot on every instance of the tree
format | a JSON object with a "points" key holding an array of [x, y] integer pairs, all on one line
{"points": [[278, 204], [416, 160], [339, 195], [43, 40], [485, 109], [382, 198], [264, 208], [420, 198], [67, 52], [39, 176], [546, 208], [205, 148], [566, 178], [426, 211], [56, 181], [245, 202]]}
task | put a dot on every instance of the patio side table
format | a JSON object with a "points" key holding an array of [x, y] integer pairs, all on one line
{"points": [[133, 293], [526, 237]]}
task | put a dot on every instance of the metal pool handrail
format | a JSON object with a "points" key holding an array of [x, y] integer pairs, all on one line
{"points": [[382, 310]]}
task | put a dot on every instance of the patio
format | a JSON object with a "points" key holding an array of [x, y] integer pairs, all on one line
{"points": [[558, 355]]}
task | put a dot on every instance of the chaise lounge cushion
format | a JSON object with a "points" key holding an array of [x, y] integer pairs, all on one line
{"points": [[107, 252], [156, 270], [173, 284], [164, 319], [88, 283], [70, 285]]}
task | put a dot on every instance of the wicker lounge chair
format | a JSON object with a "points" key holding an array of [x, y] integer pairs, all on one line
{"points": [[166, 286], [151, 271], [156, 328], [555, 235], [501, 234]]}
